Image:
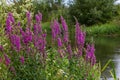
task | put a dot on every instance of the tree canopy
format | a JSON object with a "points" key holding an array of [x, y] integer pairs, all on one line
{"points": [[92, 11]]}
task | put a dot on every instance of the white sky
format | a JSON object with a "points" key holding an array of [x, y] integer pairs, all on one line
{"points": [[118, 1]]}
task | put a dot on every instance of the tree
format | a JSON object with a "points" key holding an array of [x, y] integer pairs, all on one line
{"points": [[90, 12]]}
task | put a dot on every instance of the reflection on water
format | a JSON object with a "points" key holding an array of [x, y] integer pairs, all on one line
{"points": [[108, 48]]}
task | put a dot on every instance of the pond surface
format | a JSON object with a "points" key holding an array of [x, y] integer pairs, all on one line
{"points": [[108, 48]]}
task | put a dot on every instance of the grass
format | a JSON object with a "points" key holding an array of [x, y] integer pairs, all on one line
{"points": [[108, 29]]}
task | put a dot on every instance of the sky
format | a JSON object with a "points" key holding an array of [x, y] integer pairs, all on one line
{"points": [[118, 1]]}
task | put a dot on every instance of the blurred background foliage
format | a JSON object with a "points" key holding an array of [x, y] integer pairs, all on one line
{"points": [[88, 12]]}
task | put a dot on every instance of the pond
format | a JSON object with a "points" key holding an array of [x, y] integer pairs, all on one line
{"points": [[108, 48]]}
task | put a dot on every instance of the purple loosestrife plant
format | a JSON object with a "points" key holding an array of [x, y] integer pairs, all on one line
{"points": [[37, 29], [90, 56], [56, 31], [38, 17], [69, 50], [7, 60], [80, 38], [59, 42], [65, 30], [8, 26], [11, 18], [9, 22], [26, 36], [15, 41]]}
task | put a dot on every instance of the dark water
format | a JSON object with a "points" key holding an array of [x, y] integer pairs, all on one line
{"points": [[108, 48]]}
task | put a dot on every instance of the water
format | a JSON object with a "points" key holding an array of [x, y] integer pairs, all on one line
{"points": [[108, 48]]}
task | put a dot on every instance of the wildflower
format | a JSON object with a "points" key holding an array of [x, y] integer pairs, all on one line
{"points": [[26, 36], [65, 30], [18, 24], [56, 31], [59, 42], [22, 59], [90, 56], [40, 42], [38, 17], [80, 38], [69, 50], [57, 28], [11, 18], [8, 26], [64, 25], [7, 60], [15, 40], [37, 29]]}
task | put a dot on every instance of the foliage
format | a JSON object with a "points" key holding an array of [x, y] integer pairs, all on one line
{"points": [[50, 9], [108, 29], [25, 55], [90, 12]]}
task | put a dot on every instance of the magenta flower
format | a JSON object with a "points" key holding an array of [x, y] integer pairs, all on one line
{"points": [[8, 26], [40, 42], [37, 29], [26, 36], [7, 60], [69, 50], [38, 17], [56, 31], [80, 38], [15, 40], [64, 25], [11, 18], [90, 56], [59, 42], [22, 59], [65, 30]]}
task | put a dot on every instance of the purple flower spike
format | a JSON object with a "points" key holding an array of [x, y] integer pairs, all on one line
{"points": [[26, 36], [69, 50], [80, 38], [10, 16], [90, 56], [8, 26], [7, 60], [65, 30], [64, 25], [38, 17], [59, 42], [15, 40], [22, 59], [56, 31]]}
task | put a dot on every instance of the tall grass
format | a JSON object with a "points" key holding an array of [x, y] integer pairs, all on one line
{"points": [[108, 29]]}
